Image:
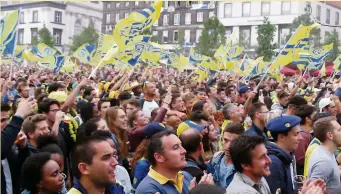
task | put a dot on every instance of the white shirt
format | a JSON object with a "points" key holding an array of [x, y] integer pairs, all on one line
{"points": [[122, 177], [148, 107], [8, 177]]}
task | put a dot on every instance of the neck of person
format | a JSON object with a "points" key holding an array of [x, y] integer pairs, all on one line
{"points": [[254, 178], [283, 146], [32, 143], [307, 128], [228, 160], [259, 124], [195, 155], [148, 97], [90, 187], [213, 99], [167, 172], [330, 146]]}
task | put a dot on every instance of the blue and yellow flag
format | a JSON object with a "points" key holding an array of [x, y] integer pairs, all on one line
{"points": [[42, 50], [105, 43], [68, 66], [8, 30], [85, 52], [53, 62], [234, 53], [137, 21], [151, 53], [337, 64]]}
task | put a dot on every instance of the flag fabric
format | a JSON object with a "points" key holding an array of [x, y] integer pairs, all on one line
{"points": [[42, 50], [244, 65], [105, 43], [194, 57], [8, 30], [137, 21], [53, 62], [68, 66], [151, 53], [234, 53], [295, 44], [323, 69], [85, 52], [337, 64]]}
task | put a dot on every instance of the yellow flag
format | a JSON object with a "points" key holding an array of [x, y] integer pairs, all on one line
{"points": [[105, 43], [8, 31]]}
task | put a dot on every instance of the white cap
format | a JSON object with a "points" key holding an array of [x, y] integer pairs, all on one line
{"points": [[324, 102], [291, 85]]}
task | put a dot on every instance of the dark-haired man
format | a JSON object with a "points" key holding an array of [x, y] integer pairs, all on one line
{"points": [[221, 166], [94, 165], [250, 159], [148, 103], [259, 114], [167, 157], [285, 131]]}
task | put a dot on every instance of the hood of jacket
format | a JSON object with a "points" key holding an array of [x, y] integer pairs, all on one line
{"points": [[280, 153]]}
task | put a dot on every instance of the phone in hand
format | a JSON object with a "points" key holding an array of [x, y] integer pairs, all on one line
{"points": [[31, 92]]}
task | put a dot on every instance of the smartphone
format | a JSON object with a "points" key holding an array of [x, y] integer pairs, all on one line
{"points": [[31, 92]]}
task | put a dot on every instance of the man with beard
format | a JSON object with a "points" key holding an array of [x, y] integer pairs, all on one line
{"points": [[249, 157], [94, 167], [285, 131], [167, 157], [23, 90], [258, 112], [221, 166], [322, 163], [148, 104]]}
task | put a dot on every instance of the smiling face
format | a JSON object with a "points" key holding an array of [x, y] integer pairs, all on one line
{"points": [[121, 121], [260, 165], [178, 104]]}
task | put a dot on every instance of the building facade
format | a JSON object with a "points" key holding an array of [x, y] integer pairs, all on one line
{"points": [[63, 19], [179, 20], [244, 17]]}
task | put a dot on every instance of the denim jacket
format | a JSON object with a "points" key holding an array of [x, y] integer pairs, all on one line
{"points": [[222, 173]]}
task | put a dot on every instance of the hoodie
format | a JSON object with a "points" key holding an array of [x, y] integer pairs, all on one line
{"points": [[282, 169]]}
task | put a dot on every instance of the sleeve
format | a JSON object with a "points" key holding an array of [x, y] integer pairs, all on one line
{"points": [[338, 92], [140, 172], [322, 170], [276, 178], [9, 134], [161, 115], [23, 153]]}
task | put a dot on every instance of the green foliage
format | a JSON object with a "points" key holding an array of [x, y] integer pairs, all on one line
{"points": [[88, 35], [333, 38], [44, 36], [266, 33], [212, 36], [306, 20], [181, 41]]}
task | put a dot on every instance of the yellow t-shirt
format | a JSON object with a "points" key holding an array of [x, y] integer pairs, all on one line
{"points": [[312, 146]]}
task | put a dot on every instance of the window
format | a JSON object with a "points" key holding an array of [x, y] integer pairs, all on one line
{"points": [[265, 8], [20, 36], [78, 27], [318, 12], [177, 19], [328, 16], [245, 35], [175, 36], [57, 33], [165, 4], [58, 17], [177, 3], [136, 3], [165, 20], [34, 34], [21, 18], [155, 33], [188, 3], [126, 14], [108, 18], [117, 5], [286, 7], [200, 16], [211, 14], [198, 34], [246, 9], [108, 5], [35, 16], [227, 10], [188, 18], [337, 18], [127, 3], [165, 36], [228, 33], [187, 36], [284, 33], [117, 17]]}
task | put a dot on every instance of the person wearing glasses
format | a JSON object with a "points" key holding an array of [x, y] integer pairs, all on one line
{"points": [[258, 113]]}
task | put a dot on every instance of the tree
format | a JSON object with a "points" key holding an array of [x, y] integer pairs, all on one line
{"points": [[243, 41], [153, 38], [88, 35], [181, 41], [305, 19], [44, 36], [333, 37], [266, 33], [212, 36]]}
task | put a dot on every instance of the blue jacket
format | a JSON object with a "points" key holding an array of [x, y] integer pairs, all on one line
{"points": [[140, 171], [255, 131], [222, 178], [280, 176], [111, 189]]}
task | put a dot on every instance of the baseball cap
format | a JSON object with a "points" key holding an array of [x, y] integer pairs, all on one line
{"points": [[152, 128], [324, 102], [187, 125]]}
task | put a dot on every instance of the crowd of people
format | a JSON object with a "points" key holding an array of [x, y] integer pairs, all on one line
{"points": [[158, 130]]}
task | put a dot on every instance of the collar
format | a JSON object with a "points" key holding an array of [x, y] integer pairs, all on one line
{"points": [[77, 185], [163, 180], [259, 131], [246, 179]]}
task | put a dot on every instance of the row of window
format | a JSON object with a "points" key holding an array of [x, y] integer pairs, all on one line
{"points": [[175, 38], [165, 18], [318, 15], [109, 4], [166, 4], [57, 33], [265, 9], [35, 17]]}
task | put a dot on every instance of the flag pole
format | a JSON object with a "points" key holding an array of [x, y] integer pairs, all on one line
{"points": [[267, 70]]}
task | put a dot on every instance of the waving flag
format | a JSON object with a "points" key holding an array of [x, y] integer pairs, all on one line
{"points": [[137, 21], [85, 52], [8, 30], [337, 64], [105, 43], [53, 62], [68, 66], [151, 53], [42, 50]]}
